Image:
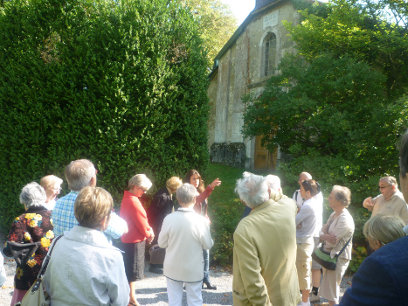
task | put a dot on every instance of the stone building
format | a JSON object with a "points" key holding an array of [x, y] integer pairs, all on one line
{"points": [[243, 66]]}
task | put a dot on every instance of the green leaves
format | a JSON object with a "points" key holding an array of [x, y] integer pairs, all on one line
{"points": [[121, 83]]}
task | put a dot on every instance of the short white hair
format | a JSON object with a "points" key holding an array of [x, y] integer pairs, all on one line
{"points": [[140, 180], [186, 194], [32, 194], [273, 182], [274, 185], [79, 174], [252, 189]]}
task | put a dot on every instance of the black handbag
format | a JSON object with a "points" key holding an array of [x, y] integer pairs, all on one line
{"points": [[21, 252]]}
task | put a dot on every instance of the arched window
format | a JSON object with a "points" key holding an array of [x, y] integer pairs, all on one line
{"points": [[269, 54]]}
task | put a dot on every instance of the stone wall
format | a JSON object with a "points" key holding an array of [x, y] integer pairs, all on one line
{"points": [[231, 154]]}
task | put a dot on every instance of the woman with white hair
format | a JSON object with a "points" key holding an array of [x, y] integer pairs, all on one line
{"points": [[184, 235], [32, 229], [134, 241], [336, 235]]}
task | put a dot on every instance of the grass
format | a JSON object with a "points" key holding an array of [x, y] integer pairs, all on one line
{"points": [[225, 211]]}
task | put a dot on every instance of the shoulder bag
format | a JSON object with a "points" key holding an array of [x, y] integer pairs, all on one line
{"points": [[36, 295], [324, 259]]}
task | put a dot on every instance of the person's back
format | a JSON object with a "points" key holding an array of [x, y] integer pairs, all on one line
{"points": [[184, 235], [84, 268], [267, 235], [382, 278]]}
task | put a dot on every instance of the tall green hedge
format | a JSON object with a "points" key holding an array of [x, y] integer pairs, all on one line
{"points": [[122, 83]]}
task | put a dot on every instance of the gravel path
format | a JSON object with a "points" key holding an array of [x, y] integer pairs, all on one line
{"points": [[149, 291], [152, 289]]}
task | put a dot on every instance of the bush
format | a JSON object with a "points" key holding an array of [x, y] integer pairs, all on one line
{"points": [[122, 83]]}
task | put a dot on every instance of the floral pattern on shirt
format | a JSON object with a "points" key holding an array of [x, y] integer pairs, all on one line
{"points": [[33, 226]]}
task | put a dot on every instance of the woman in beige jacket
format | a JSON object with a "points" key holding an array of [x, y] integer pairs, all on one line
{"points": [[335, 234]]}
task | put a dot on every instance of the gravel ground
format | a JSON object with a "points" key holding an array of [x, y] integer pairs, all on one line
{"points": [[149, 291], [152, 289]]}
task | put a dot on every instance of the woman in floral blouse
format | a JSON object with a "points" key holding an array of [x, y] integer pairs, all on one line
{"points": [[33, 228]]}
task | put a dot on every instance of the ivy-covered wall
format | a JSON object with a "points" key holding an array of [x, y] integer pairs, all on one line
{"points": [[122, 83]]}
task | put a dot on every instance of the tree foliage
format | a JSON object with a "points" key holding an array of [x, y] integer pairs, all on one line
{"points": [[332, 106], [122, 83], [216, 24], [362, 30]]}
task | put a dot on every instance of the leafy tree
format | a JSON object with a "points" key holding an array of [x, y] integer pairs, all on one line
{"points": [[331, 106], [362, 30], [122, 83], [216, 24]]}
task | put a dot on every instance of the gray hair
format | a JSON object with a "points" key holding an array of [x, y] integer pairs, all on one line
{"points": [[304, 176], [79, 174], [140, 180], [32, 194], [384, 229], [342, 194], [390, 180], [186, 194], [252, 189], [274, 185]]}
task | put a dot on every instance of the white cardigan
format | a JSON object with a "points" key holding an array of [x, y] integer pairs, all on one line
{"points": [[184, 235], [85, 269]]}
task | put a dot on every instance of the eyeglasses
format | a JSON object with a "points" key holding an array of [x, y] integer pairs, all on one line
{"points": [[382, 187]]}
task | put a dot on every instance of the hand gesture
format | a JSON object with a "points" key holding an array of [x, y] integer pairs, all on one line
{"points": [[215, 183], [368, 203]]}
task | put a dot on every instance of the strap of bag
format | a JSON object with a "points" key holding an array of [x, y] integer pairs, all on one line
{"points": [[341, 251], [47, 258]]}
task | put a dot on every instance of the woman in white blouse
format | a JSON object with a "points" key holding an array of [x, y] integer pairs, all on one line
{"points": [[335, 234]]}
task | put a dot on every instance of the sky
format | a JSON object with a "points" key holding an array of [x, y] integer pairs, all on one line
{"points": [[240, 8]]}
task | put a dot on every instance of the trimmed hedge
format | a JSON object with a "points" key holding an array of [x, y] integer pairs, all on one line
{"points": [[122, 83]]}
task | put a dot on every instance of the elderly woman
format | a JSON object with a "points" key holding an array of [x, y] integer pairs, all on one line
{"points": [[34, 230], [380, 230], [161, 205], [201, 206], [52, 187], [134, 241], [306, 222], [84, 268], [337, 234], [184, 235]]}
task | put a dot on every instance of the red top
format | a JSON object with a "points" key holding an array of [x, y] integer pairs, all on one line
{"points": [[200, 205], [135, 215]]}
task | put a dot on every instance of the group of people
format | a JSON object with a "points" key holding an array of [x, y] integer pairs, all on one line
{"points": [[85, 266], [276, 266], [274, 244], [272, 266]]}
